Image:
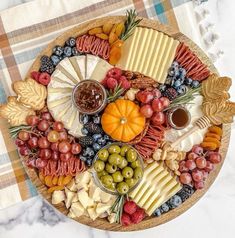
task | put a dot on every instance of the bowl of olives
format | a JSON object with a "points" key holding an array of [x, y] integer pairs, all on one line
{"points": [[117, 168]]}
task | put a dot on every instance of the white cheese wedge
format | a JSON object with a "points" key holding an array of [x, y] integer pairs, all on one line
{"points": [[92, 213], [85, 200], [77, 209], [55, 103], [71, 214], [57, 197], [83, 178], [105, 197], [74, 61], [76, 128], [69, 117], [69, 197], [91, 62], [60, 80], [72, 186], [94, 192], [53, 96], [101, 208]]}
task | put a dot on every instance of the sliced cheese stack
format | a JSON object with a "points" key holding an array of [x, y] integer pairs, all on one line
{"points": [[69, 72], [149, 52], [156, 187], [82, 197]]}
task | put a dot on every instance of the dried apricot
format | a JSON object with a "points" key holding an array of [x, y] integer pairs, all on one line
{"points": [[112, 38], [102, 36], [55, 180], [107, 27], [95, 31], [60, 180], [55, 188], [67, 179], [209, 145], [211, 139], [119, 29], [210, 134], [115, 55], [118, 43], [216, 129], [48, 181]]}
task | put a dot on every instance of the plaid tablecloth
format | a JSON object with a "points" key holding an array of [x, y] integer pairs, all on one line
{"points": [[26, 29]]}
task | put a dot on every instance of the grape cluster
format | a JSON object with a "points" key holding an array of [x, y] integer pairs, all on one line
{"points": [[94, 137], [45, 140], [195, 169]]}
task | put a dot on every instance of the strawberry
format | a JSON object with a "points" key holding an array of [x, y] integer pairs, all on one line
{"points": [[124, 82], [125, 219], [130, 207], [114, 73], [44, 78], [111, 83], [138, 216], [35, 75]]}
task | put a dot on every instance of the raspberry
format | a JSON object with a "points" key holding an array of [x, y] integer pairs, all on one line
{"points": [[124, 82], [130, 207], [111, 83], [104, 82], [35, 75], [44, 79], [138, 216], [115, 73], [125, 219]]}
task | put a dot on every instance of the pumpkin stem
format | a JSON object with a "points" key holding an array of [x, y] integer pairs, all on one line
{"points": [[123, 120]]}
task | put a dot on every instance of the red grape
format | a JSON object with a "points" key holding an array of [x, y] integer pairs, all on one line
{"points": [[45, 153], [156, 93], [23, 135], [197, 175], [158, 118], [23, 150], [65, 156], [201, 162], [32, 120], [58, 126], [43, 143], [31, 163], [55, 155], [215, 158], [63, 135], [157, 105], [204, 174], [199, 185], [165, 101], [209, 166], [76, 148], [190, 164], [55, 146], [53, 136], [43, 125], [46, 116], [192, 156], [64, 147], [197, 150], [144, 96], [185, 178], [19, 142], [33, 142], [40, 163], [146, 111], [182, 167]]}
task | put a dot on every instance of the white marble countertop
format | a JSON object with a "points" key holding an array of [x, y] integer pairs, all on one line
{"points": [[213, 216]]}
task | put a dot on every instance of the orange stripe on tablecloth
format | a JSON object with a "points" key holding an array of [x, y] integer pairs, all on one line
{"points": [[7, 54], [140, 8], [170, 15]]}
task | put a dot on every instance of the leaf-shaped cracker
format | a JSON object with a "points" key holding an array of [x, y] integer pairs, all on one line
{"points": [[219, 112], [15, 112], [31, 93], [216, 88]]}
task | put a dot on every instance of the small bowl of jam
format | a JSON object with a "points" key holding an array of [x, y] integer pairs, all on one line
{"points": [[89, 96]]}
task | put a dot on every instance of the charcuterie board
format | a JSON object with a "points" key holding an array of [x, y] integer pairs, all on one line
{"points": [[119, 123]]}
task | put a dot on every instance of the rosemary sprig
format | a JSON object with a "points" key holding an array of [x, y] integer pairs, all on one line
{"points": [[114, 94], [185, 98], [16, 129], [130, 24], [117, 208]]}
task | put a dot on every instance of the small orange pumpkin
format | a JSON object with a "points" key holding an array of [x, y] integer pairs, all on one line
{"points": [[122, 120]]}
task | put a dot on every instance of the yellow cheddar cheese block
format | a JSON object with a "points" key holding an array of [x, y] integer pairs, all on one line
{"points": [[156, 187]]}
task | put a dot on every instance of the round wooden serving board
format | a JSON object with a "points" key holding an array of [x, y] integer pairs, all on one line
{"points": [[149, 221]]}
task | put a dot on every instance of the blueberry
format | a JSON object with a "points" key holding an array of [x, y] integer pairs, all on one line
{"points": [[58, 50], [109, 143], [182, 89], [188, 81], [83, 158], [67, 51], [164, 208], [177, 83], [182, 73], [171, 72], [157, 213], [175, 64], [71, 42], [101, 141], [90, 152], [96, 137], [84, 131], [195, 84], [174, 201], [96, 119], [55, 59], [75, 51], [162, 87], [84, 118], [106, 137], [96, 147], [89, 162]]}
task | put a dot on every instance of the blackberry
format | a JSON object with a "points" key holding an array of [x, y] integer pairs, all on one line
{"points": [[170, 93], [55, 60], [174, 201], [58, 50], [47, 67], [185, 192], [85, 140], [44, 59], [188, 189], [93, 128], [71, 42], [67, 51]]}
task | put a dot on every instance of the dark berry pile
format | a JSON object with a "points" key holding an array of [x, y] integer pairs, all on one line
{"points": [[175, 200], [177, 83], [94, 137]]}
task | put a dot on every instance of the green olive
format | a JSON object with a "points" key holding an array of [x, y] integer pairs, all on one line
{"points": [[122, 188], [123, 163], [124, 149], [117, 177], [138, 173], [130, 182], [99, 165], [115, 159], [114, 149], [111, 168], [107, 180], [131, 155], [103, 154], [127, 172], [112, 186], [135, 164], [102, 173]]}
